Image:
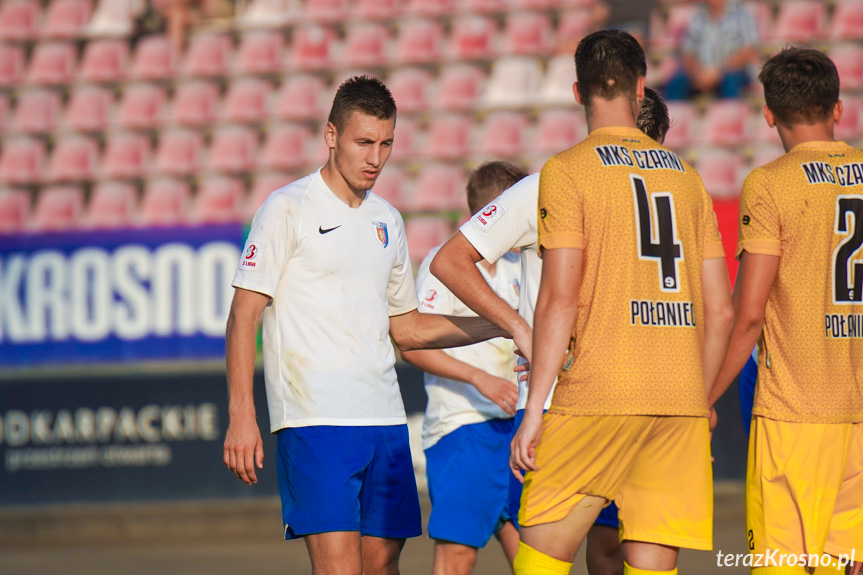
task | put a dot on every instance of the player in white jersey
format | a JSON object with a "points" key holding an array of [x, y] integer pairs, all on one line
{"points": [[472, 393], [326, 264], [510, 222]]}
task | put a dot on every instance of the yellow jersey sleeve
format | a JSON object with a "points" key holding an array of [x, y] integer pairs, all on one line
{"points": [[560, 209], [759, 226]]}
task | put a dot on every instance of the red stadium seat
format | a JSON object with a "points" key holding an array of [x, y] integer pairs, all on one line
{"points": [[449, 137], [285, 147], [126, 156], [105, 61], [849, 63], [419, 41], [66, 18], [11, 64], [219, 200], [325, 10], [165, 203], [473, 37], [300, 98], [180, 152], [503, 134], [14, 210], [559, 129], [366, 45], [89, 109], [52, 63], [21, 161], [726, 123], [142, 106], [406, 146], [515, 81], [409, 87], [265, 184], [424, 233], [429, 7], [390, 185], [208, 55], [233, 149], [378, 9], [481, 6], [722, 172], [440, 187], [260, 53], [38, 112], [847, 22], [311, 48], [247, 100], [850, 128], [460, 87], [112, 205], [684, 125], [528, 33], [533, 4], [195, 104], [19, 19], [58, 208], [800, 21], [155, 59], [74, 159]]}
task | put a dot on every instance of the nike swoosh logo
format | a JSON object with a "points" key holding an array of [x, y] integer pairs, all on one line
{"points": [[323, 231]]}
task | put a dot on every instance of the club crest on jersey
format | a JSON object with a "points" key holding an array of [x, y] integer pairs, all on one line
{"points": [[381, 232]]}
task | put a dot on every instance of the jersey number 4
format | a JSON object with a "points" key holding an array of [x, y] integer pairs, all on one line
{"points": [[847, 274], [656, 230]]}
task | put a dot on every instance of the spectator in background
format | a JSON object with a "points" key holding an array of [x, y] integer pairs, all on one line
{"points": [[721, 42]]}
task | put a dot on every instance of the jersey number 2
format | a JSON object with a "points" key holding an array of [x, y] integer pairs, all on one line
{"points": [[848, 275], [660, 243]]}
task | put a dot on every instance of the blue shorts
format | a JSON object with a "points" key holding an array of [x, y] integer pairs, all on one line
{"points": [[607, 517], [746, 390], [359, 478], [467, 472]]}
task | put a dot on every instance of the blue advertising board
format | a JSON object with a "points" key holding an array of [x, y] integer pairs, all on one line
{"points": [[111, 296]]}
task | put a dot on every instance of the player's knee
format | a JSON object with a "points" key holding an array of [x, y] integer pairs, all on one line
{"points": [[605, 563], [630, 570], [454, 559], [529, 561]]}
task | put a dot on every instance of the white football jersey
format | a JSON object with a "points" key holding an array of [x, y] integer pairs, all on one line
{"points": [[335, 275]]}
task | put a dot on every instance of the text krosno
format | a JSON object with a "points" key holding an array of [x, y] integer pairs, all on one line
{"points": [[772, 558], [131, 292]]}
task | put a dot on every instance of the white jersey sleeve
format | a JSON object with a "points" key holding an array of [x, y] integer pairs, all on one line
{"points": [[507, 222], [434, 297], [401, 291], [268, 248]]}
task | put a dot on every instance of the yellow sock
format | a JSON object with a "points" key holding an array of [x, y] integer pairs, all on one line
{"points": [[529, 561], [630, 570]]}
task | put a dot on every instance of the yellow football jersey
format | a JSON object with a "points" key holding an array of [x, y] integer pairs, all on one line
{"points": [[807, 208], [645, 223]]}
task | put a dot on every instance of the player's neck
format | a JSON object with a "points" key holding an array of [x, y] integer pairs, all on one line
{"points": [[610, 114], [340, 187], [801, 133]]}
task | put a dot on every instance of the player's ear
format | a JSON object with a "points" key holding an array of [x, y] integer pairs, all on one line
{"points": [[330, 134], [639, 90], [769, 117], [837, 112], [577, 95]]}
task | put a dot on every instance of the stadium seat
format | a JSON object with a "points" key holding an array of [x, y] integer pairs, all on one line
{"points": [[556, 86], [195, 103], [311, 48], [366, 45], [165, 203], [721, 171], [410, 88], [266, 14], [800, 21], [58, 208], [684, 125], [114, 18], [761, 12], [424, 233], [390, 185], [155, 59], [89, 109], [574, 25], [440, 187], [429, 7], [233, 149], [142, 106], [14, 210], [847, 21], [260, 52], [300, 98], [5, 116], [11, 64], [52, 63], [481, 6], [460, 87], [849, 63], [264, 185], [126, 156], [514, 81], [219, 200], [208, 55], [66, 18], [19, 20], [850, 128], [179, 152], [448, 137], [406, 146], [285, 147], [559, 129], [672, 31], [74, 159], [502, 135], [325, 10], [37, 112], [533, 4], [473, 38], [528, 33], [105, 61], [419, 41], [377, 9], [21, 161], [247, 100], [112, 205], [725, 123]]}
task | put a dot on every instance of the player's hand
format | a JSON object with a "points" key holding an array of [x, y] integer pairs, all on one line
{"points": [[523, 340], [502, 392], [523, 368], [522, 455], [244, 449], [712, 420]]}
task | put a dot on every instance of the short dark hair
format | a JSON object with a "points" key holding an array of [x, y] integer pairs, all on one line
{"points": [[608, 64], [490, 180], [365, 94], [653, 116], [801, 86]]}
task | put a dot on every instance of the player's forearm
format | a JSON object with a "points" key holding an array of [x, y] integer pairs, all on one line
{"points": [[717, 331], [240, 340], [552, 330], [416, 330], [744, 337], [436, 362]]}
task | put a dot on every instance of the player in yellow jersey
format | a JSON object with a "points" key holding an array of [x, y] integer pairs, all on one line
{"points": [[798, 294], [635, 286]]}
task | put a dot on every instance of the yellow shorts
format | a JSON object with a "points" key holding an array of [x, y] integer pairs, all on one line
{"points": [[656, 469], [804, 488]]}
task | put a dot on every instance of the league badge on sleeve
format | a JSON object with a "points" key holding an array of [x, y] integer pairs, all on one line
{"points": [[251, 258], [381, 231]]}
